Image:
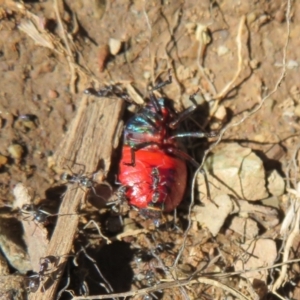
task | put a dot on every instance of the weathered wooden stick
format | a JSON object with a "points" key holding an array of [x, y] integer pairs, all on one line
{"points": [[90, 139]]}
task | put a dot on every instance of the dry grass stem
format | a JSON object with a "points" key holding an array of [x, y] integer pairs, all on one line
{"points": [[29, 28], [230, 84], [70, 57]]}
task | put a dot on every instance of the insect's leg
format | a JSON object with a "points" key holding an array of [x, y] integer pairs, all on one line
{"points": [[109, 91], [198, 134], [164, 83], [184, 114], [188, 158], [121, 196], [97, 195], [132, 163], [136, 148], [82, 170], [206, 182], [104, 92], [183, 155], [72, 163], [155, 103]]}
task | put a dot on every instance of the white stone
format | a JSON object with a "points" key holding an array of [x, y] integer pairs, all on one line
{"points": [[213, 213], [276, 184], [114, 46], [236, 171]]}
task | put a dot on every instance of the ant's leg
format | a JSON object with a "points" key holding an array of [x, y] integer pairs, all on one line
{"points": [[97, 195], [82, 170], [121, 198], [207, 188], [164, 83], [75, 163]]}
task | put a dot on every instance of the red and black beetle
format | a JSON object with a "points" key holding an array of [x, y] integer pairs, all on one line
{"points": [[153, 168]]}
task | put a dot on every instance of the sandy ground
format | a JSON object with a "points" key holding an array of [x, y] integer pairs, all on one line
{"points": [[231, 52]]}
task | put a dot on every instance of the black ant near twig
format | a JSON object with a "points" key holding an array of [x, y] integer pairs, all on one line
{"points": [[37, 214], [83, 180], [34, 280]]}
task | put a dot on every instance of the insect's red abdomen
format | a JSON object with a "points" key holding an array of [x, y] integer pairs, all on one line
{"points": [[163, 191]]}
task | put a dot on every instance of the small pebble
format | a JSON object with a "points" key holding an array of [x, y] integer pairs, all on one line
{"points": [[294, 91], [99, 7], [52, 94], [279, 16], [190, 27], [254, 64], [114, 46], [260, 138], [251, 17], [103, 54], [221, 113], [202, 34], [222, 50], [297, 110], [16, 151], [292, 64], [3, 160], [29, 124], [147, 74], [185, 268]]}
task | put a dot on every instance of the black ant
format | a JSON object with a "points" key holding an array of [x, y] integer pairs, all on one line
{"points": [[121, 198], [37, 214], [36, 278], [82, 180], [156, 184]]}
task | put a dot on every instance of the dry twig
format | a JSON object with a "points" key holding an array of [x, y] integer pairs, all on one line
{"points": [[89, 139], [217, 97]]}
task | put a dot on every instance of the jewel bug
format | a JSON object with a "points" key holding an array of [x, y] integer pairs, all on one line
{"points": [[153, 167]]}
